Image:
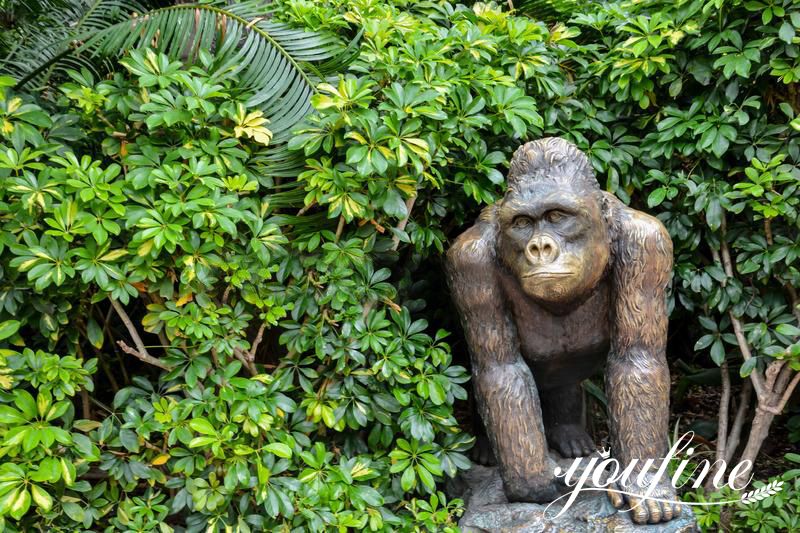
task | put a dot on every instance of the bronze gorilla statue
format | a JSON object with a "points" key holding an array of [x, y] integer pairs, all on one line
{"points": [[554, 280]]}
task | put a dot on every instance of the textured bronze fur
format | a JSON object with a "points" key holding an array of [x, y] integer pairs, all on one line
{"points": [[554, 280]]}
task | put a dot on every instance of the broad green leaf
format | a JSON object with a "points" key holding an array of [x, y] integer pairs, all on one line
{"points": [[279, 449], [8, 328], [202, 426]]}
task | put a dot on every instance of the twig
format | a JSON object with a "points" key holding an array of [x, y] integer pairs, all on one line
{"points": [[738, 422], [140, 352], [85, 407], [787, 394], [722, 423], [251, 355], [147, 358], [305, 209], [401, 226], [225, 295], [241, 356], [741, 340], [340, 227]]}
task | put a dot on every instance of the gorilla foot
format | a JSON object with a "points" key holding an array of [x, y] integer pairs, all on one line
{"points": [[570, 440]]}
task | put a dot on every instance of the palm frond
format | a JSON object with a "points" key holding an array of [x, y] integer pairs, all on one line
{"points": [[548, 10], [278, 65], [46, 47]]}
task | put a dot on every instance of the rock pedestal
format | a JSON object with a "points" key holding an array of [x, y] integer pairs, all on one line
{"points": [[488, 510]]}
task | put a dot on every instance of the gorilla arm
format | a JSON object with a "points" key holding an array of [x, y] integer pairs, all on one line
{"points": [[504, 387], [637, 377]]}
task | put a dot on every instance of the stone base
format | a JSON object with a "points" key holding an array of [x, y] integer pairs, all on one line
{"points": [[488, 510]]}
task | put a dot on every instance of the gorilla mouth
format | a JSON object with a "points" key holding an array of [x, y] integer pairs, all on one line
{"points": [[548, 274]]}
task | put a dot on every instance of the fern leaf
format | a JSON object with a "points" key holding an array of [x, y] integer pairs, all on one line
{"points": [[547, 10], [280, 66]]}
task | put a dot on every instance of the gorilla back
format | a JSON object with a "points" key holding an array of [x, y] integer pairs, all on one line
{"points": [[554, 280]]}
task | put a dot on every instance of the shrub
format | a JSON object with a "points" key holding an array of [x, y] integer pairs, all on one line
{"points": [[687, 109], [143, 222], [147, 229]]}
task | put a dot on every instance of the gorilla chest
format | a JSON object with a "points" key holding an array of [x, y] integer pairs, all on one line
{"points": [[570, 346]]}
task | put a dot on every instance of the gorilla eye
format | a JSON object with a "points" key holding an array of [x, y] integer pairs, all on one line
{"points": [[555, 216], [521, 222]]}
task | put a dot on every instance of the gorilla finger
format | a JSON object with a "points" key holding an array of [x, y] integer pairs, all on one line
{"points": [[654, 510], [615, 497], [564, 450], [638, 510], [666, 511], [676, 510], [576, 448]]}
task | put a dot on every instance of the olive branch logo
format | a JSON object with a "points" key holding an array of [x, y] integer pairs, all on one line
{"points": [[762, 492]]}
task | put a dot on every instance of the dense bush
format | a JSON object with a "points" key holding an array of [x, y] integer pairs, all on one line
{"points": [[159, 205], [702, 95], [146, 229], [687, 109]]}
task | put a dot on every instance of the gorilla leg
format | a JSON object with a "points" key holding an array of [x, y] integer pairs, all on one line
{"points": [[564, 421]]}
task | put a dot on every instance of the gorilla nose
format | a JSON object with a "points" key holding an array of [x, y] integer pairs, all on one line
{"points": [[542, 250]]}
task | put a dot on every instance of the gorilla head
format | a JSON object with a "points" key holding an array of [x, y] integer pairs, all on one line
{"points": [[553, 235]]}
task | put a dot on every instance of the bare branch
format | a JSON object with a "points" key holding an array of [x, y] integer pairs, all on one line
{"points": [[305, 209], [787, 393], [225, 294], [340, 227], [147, 358], [401, 226], [722, 423], [251, 356], [738, 422], [241, 356], [140, 352], [738, 330]]}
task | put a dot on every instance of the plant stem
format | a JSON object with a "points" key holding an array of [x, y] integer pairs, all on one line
{"points": [[340, 227], [738, 422], [241, 356], [401, 226], [741, 340], [251, 356], [140, 352], [722, 423]]}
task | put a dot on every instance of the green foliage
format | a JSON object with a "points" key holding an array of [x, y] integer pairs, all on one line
{"points": [[433, 105], [149, 209], [41, 39], [780, 512], [701, 85], [163, 205], [277, 65], [683, 107]]}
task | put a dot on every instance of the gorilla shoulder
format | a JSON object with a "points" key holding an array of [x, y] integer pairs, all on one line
{"points": [[473, 250], [645, 234]]}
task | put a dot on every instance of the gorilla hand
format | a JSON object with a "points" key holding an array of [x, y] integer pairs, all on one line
{"points": [[643, 509], [570, 440]]}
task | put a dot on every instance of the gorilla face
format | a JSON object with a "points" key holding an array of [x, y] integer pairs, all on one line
{"points": [[554, 239]]}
